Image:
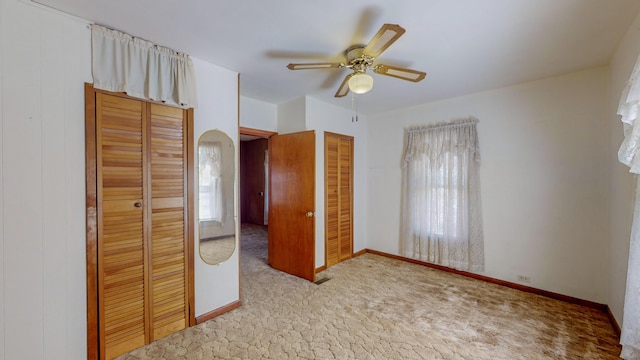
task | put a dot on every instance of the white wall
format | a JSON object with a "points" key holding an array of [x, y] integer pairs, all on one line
{"points": [[621, 184], [543, 178], [291, 116], [256, 114], [217, 285], [45, 61], [323, 117]]}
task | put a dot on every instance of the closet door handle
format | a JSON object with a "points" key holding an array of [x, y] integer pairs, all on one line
{"points": [[138, 204]]}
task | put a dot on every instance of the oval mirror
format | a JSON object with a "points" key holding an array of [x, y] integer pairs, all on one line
{"points": [[216, 213]]}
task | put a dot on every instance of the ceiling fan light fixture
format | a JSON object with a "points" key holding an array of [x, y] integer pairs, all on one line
{"points": [[361, 83]]}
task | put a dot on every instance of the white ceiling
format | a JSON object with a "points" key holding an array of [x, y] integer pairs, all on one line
{"points": [[464, 45]]}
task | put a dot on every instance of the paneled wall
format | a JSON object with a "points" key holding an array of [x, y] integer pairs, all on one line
{"points": [[45, 59], [45, 62]]}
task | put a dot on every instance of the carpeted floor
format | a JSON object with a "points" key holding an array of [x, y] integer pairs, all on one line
{"points": [[378, 308], [219, 250]]}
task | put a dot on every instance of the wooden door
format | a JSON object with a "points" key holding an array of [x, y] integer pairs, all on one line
{"points": [[292, 203], [338, 198], [122, 250], [168, 259], [142, 242]]}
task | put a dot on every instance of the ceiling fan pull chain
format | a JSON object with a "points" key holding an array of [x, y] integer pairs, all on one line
{"points": [[354, 108]]}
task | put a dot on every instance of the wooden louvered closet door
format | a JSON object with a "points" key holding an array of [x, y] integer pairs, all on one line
{"points": [[338, 198], [121, 248], [168, 218], [141, 197]]}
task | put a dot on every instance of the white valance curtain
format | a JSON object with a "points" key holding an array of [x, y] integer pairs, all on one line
{"points": [[629, 110], [122, 63], [441, 219]]}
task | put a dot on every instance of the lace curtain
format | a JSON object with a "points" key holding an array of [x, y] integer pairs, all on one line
{"points": [[122, 63], [628, 154], [211, 202], [441, 220]]}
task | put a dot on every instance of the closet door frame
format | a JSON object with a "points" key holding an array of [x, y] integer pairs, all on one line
{"points": [[93, 337]]}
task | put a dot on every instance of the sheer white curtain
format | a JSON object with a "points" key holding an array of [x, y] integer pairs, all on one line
{"points": [[442, 221], [122, 63], [211, 202], [628, 154]]}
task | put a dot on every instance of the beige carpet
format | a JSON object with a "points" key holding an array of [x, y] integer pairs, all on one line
{"points": [[378, 308]]}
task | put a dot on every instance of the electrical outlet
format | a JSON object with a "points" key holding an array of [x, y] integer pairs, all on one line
{"points": [[523, 278]]}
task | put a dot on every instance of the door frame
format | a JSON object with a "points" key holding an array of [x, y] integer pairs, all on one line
{"points": [[93, 337]]}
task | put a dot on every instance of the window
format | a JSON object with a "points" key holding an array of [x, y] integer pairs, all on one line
{"points": [[210, 181], [433, 197], [441, 219]]}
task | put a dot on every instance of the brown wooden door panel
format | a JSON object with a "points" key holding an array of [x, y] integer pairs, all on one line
{"points": [[143, 253], [169, 297], [331, 201], [121, 248], [291, 197], [338, 198], [346, 190]]}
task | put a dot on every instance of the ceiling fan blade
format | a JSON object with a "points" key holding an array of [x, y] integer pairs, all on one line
{"points": [[386, 36], [287, 54], [400, 73], [314, 66], [365, 24], [343, 90]]}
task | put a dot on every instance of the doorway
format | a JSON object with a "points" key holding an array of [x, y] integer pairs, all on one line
{"points": [[254, 182], [288, 191], [254, 189]]}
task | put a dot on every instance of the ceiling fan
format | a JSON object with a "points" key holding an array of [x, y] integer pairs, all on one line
{"points": [[361, 58]]}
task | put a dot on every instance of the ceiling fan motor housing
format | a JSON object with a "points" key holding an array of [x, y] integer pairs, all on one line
{"points": [[357, 60]]}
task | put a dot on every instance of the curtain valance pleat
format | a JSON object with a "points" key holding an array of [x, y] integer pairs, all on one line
{"points": [[437, 139], [122, 63]]}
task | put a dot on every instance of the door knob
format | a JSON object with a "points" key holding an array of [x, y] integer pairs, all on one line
{"points": [[309, 214], [138, 204]]}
